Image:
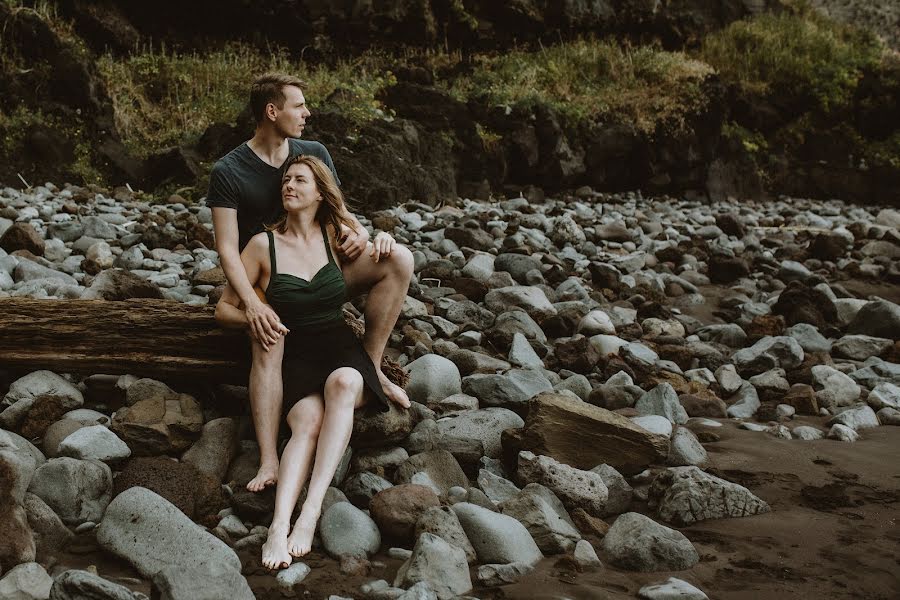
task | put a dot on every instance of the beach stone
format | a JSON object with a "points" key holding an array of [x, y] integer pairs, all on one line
{"points": [[499, 575], [17, 467], [728, 379], [807, 433], [432, 378], [803, 398], [583, 436], [396, 509], [671, 589], [801, 304], [292, 576], [585, 556], [833, 388], [768, 353], [531, 299], [856, 418], [508, 324], [150, 532], [655, 424], [361, 487], [884, 395], [574, 487], [706, 405], [517, 265], [210, 581], [686, 495], [166, 423], [785, 411], [76, 490], [480, 266], [469, 362], [662, 400], [638, 543], [443, 522], [27, 581], [439, 564], [440, 466], [596, 322], [216, 448], [686, 449], [121, 284], [95, 442], [380, 428], [22, 236], [485, 425], [50, 534], [744, 403], [842, 433], [497, 538], [858, 347], [551, 533], [809, 338], [620, 492], [510, 390], [233, 526], [497, 488], [521, 354], [888, 416], [729, 334], [346, 530], [879, 319], [180, 483], [578, 384], [37, 400], [82, 585]]}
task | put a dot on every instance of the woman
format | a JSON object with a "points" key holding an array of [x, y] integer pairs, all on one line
{"points": [[327, 373]]}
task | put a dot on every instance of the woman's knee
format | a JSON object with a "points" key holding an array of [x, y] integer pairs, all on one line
{"points": [[345, 381], [306, 416], [401, 259]]}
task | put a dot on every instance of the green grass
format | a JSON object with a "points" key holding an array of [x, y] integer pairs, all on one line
{"points": [[591, 80], [164, 98], [796, 57]]}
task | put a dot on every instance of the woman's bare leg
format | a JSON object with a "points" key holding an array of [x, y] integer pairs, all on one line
{"points": [[305, 420], [343, 394]]}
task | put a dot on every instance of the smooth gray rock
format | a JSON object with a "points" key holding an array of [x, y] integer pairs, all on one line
{"points": [[438, 563], [82, 585], [551, 533], [216, 448], [620, 492], [498, 575], [521, 354], [809, 338], [292, 576], [842, 433], [745, 403], [662, 400], [149, 532], [432, 378], [574, 487], [768, 353], [671, 589], [638, 543], [95, 442], [686, 495], [76, 490], [856, 418], [512, 389], [346, 530], [496, 538], [686, 449], [211, 581], [585, 555], [486, 425], [27, 581], [498, 489], [443, 522]]}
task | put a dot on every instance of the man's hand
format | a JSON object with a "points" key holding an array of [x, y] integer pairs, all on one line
{"points": [[353, 242], [264, 324]]}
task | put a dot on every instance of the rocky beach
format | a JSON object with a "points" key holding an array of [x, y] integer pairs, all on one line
{"points": [[614, 396]]}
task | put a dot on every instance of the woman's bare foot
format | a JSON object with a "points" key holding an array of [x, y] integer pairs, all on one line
{"points": [[300, 541], [266, 476], [394, 392], [275, 553]]}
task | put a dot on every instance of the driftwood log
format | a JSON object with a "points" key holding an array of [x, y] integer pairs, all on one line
{"points": [[149, 338]]}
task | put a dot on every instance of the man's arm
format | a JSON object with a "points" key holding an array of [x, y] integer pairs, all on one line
{"points": [[262, 320], [353, 240]]}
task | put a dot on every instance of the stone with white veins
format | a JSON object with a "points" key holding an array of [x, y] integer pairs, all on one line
{"points": [[686, 495], [671, 589]]}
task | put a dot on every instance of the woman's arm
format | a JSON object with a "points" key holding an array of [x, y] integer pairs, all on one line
{"points": [[228, 310]]}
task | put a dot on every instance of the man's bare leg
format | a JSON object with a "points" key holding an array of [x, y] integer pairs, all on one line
{"points": [[305, 420], [343, 394], [265, 404], [387, 282]]}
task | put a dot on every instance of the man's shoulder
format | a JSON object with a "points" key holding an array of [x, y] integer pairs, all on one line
{"points": [[311, 147], [231, 159]]}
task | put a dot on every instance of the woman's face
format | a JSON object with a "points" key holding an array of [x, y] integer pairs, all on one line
{"points": [[298, 188]]}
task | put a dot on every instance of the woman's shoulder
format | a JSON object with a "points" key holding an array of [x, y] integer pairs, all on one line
{"points": [[259, 242]]}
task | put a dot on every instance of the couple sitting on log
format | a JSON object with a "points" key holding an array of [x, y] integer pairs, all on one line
{"points": [[292, 260]]}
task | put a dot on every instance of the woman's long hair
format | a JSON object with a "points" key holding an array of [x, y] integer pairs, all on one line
{"points": [[332, 210]]}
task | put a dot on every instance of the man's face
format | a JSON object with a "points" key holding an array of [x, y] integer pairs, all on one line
{"points": [[291, 118]]}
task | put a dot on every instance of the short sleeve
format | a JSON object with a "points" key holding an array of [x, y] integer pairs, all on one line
{"points": [[326, 158], [221, 191]]}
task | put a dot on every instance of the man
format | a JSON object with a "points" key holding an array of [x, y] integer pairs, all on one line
{"points": [[245, 193]]}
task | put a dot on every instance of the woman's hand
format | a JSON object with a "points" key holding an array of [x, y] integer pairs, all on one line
{"points": [[382, 246], [352, 242]]}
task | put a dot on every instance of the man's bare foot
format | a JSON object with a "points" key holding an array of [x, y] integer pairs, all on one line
{"points": [[275, 551], [266, 476], [394, 392], [300, 541]]}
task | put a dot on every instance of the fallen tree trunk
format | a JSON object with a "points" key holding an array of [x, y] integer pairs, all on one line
{"points": [[149, 338]]}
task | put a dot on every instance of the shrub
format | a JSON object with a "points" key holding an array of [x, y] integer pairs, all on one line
{"points": [[589, 80], [799, 57]]}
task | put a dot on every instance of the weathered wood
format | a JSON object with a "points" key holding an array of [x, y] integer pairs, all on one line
{"points": [[150, 338]]}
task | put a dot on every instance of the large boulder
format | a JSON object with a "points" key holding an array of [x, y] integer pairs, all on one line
{"points": [[584, 436], [496, 538], [432, 378], [638, 543], [150, 532], [435, 561], [163, 422], [686, 495], [347, 531], [76, 490]]}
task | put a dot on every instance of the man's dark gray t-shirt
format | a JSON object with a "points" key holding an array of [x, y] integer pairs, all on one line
{"points": [[243, 181]]}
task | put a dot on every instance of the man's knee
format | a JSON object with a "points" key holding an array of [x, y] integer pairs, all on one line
{"points": [[268, 360]]}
